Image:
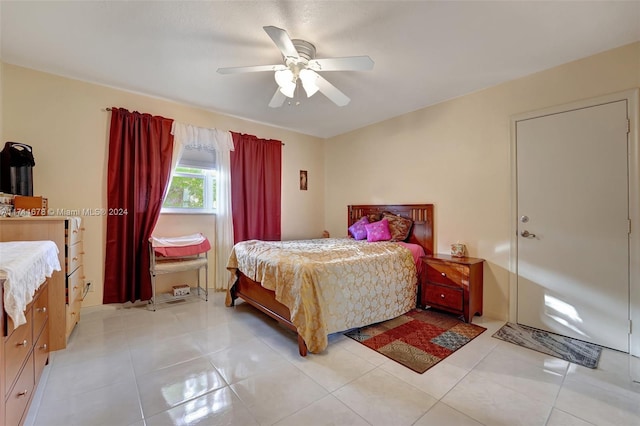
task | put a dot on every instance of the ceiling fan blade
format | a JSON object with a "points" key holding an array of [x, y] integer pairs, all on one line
{"points": [[350, 63], [331, 91], [282, 41], [278, 99], [254, 68]]}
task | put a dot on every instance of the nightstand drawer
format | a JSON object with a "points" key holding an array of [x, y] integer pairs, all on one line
{"points": [[449, 297], [447, 274]]}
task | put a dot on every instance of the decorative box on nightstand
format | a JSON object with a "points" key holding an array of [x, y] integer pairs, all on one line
{"points": [[453, 284]]}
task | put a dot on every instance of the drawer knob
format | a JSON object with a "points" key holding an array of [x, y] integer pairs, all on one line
{"points": [[24, 343], [442, 296], [75, 258], [43, 309], [23, 393], [443, 274], [44, 347]]}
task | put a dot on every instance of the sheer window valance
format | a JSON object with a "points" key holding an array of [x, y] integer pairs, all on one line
{"points": [[198, 145]]}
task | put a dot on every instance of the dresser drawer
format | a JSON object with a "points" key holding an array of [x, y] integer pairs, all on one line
{"points": [[73, 235], [20, 394], [447, 273], [41, 352], [443, 296], [73, 315], [16, 350], [75, 282], [74, 257], [40, 310]]}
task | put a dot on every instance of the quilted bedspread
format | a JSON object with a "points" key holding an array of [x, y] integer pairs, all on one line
{"points": [[331, 284]]}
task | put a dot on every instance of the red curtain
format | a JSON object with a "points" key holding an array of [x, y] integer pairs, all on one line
{"points": [[256, 174], [140, 149]]}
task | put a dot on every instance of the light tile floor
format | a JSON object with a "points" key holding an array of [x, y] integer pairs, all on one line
{"points": [[203, 363]]}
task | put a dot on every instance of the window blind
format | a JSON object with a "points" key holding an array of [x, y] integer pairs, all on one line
{"points": [[198, 158]]}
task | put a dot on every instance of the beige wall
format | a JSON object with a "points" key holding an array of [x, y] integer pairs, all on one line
{"points": [[66, 123], [456, 155]]}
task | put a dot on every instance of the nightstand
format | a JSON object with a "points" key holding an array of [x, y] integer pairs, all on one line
{"points": [[453, 284]]}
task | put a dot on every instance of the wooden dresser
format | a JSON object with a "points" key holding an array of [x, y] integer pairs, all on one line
{"points": [[25, 352], [66, 288], [453, 284]]}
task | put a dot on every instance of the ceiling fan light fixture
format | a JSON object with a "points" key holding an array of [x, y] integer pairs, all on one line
{"points": [[286, 81], [284, 77], [289, 91], [309, 79], [300, 63]]}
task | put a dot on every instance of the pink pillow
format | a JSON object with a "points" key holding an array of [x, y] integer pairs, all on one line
{"points": [[358, 229], [378, 231]]}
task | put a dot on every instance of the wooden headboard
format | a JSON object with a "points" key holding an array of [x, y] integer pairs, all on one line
{"points": [[420, 214]]}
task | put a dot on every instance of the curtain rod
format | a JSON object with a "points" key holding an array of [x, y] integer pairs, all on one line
{"points": [[109, 109]]}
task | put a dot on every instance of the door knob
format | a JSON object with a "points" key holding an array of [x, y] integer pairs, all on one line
{"points": [[527, 234]]}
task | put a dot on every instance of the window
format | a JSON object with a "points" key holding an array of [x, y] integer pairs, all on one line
{"points": [[193, 184]]}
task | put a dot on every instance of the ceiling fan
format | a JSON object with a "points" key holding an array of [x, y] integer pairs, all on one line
{"points": [[301, 65]]}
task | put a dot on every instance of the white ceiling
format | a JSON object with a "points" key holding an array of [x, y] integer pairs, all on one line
{"points": [[425, 52]]}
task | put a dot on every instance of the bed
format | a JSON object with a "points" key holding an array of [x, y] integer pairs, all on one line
{"points": [[315, 293]]}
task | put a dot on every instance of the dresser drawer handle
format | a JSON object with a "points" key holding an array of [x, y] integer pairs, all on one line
{"points": [[23, 393], [43, 309], [44, 347], [24, 343], [443, 274], [75, 258], [442, 296]]}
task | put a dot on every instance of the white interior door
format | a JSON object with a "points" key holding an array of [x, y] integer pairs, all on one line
{"points": [[573, 224]]}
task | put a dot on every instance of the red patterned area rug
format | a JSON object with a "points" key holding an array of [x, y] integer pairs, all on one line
{"points": [[418, 339]]}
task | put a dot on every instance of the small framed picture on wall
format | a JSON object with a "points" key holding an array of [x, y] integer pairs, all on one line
{"points": [[303, 180]]}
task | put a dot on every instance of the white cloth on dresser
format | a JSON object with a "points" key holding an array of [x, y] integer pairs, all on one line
{"points": [[25, 265]]}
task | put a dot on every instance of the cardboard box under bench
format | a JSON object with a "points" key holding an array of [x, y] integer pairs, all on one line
{"points": [[181, 290]]}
